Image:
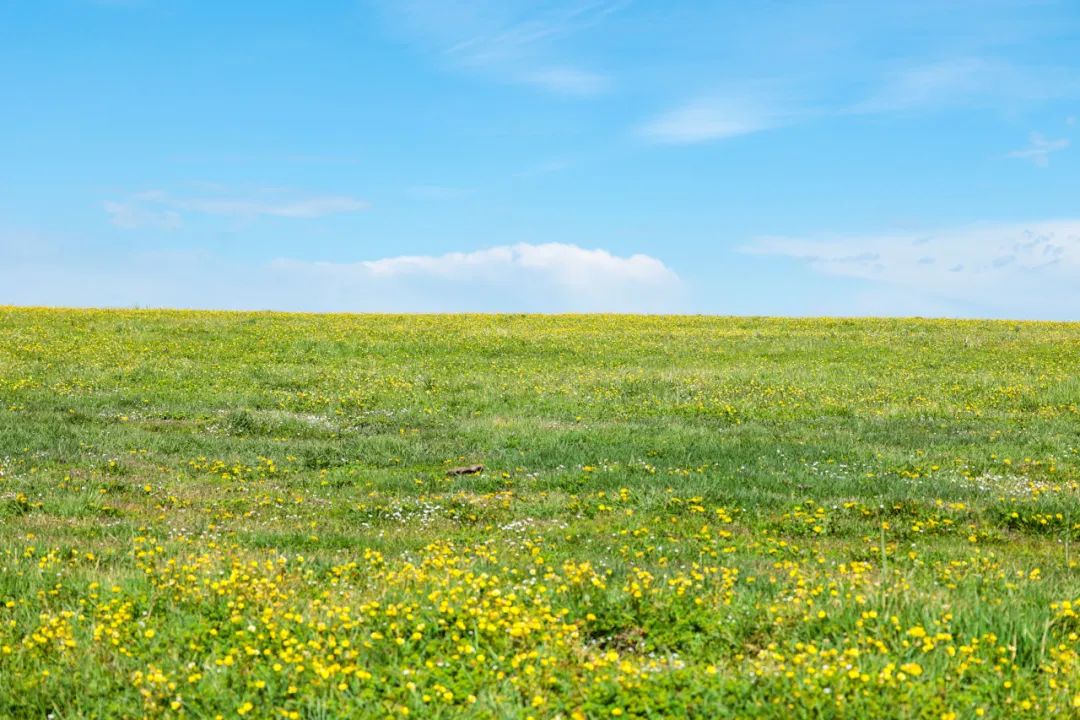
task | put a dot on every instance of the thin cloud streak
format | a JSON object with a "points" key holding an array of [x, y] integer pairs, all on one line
{"points": [[1038, 152], [567, 81], [916, 87], [507, 40], [712, 119], [161, 210]]}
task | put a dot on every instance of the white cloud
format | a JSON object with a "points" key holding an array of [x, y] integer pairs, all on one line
{"points": [[1038, 151], [546, 277], [1019, 269], [552, 277], [160, 210]]}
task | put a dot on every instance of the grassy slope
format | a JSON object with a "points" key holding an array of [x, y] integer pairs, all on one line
{"points": [[688, 513]]}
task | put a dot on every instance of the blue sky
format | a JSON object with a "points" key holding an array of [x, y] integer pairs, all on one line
{"points": [[795, 158]]}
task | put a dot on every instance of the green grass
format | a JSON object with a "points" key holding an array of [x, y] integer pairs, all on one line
{"points": [[234, 514]]}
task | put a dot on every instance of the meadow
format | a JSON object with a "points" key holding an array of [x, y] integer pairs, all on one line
{"points": [[230, 515]]}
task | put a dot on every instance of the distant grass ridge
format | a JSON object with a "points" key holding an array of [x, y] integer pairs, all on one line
{"points": [[248, 514]]}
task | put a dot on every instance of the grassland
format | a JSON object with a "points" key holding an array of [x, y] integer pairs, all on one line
{"points": [[224, 515]]}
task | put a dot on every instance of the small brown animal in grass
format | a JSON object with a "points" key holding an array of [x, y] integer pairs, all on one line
{"points": [[469, 470]]}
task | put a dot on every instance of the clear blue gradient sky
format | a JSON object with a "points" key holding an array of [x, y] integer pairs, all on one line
{"points": [[796, 158]]}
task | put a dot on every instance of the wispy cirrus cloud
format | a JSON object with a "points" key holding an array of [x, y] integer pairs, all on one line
{"points": [[438, 192], [1039, 149], [312, 207], [964, 81], [546, 167], [137, 213], [508, 39], [162, 210], [913, 87], [567, 80], [716, 117], [1030, 269], [920, 85], [122, 3]]}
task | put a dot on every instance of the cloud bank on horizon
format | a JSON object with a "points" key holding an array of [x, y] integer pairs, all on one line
{"points": [[550, 277], [567, 156], [1017, 269]]}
